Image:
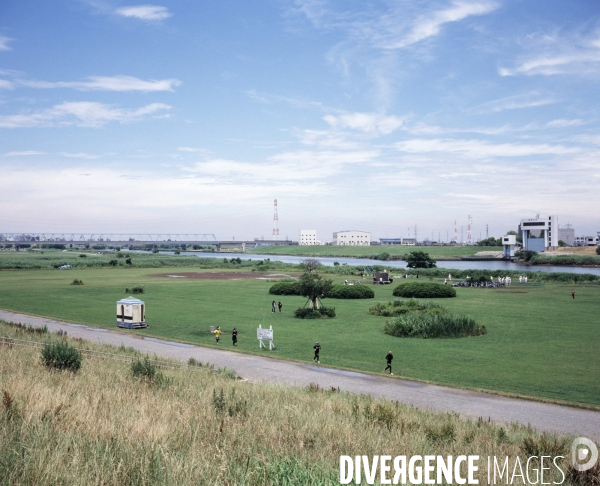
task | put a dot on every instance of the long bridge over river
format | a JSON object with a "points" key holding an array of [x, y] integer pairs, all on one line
{"points": [[129, 239]]}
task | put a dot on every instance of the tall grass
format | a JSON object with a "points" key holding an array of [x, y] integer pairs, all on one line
{"points": [[104, 426], [433, 326]]}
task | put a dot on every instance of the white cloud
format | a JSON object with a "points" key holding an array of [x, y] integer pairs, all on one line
{"points": [[371, 123], [516, 102], [108, 83], [4, 41], [5, 84], [79, 155], [477, 148], [562, 123], [80, 113], [430, 24], [23, 153], [145, 12], [553, 54]]}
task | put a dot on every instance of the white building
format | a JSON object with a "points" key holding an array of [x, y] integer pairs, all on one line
{"points": [[309, 238], [586, 240], [352, 238], [531, 228]]}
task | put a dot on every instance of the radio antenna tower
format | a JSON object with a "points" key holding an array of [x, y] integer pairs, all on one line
{"points": [[275, 221], [455, 239], [469, 236], [487, 228]]}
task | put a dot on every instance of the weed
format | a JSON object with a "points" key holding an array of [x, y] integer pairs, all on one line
{"points": [[444, 434], [61, 356]]}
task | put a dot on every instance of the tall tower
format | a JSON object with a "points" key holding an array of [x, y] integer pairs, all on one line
{"points": [[275, 221], [455, 238], [469, 235]]}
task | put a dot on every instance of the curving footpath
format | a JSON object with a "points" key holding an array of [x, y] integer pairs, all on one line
{"points": [[469, 404]]}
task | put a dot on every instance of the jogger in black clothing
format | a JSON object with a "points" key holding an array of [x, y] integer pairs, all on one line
{"points": [[317, 348], [234, 336], [389, 357]]}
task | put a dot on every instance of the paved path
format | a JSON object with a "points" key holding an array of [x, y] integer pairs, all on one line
{"points": [[470, 404]]}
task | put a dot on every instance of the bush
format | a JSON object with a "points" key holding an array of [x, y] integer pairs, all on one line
{"points": [[351, 292], [425, 325], [143, 369], [61, 356], [82, 255], [307, 313], [598, 250], [285, 288], [138, 289], [77, 282], [424, 290], [399, 307]]}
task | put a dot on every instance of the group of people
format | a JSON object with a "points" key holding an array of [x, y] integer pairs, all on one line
{"points": [[217, 332], [275, 306]]}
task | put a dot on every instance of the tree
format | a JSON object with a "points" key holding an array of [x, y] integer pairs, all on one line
{"points": [[419, 259], [561, 243], [314, 287], [310, 264]]}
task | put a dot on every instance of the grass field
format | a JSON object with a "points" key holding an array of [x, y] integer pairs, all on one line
{"points": [[540, 342], [105, 426], [446, 252]]}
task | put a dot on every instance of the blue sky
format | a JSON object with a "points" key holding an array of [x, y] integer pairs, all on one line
{"points": [[194, 116]]}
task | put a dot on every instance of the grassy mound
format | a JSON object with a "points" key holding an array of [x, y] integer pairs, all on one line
{"points": [[425, 290], [351, 292], [433, 326]]}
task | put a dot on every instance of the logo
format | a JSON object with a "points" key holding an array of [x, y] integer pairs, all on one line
{"points": [[584, 450]]}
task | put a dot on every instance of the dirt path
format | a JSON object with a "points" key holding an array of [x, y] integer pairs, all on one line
{"points": [[469, 404]]}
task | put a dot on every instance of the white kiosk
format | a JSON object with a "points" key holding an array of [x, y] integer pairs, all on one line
{"points": [[131, 313]]}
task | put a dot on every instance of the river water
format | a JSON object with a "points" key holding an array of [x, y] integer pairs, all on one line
{"points": [[455, 264]]}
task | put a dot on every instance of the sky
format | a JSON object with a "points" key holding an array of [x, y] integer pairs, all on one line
{"points": [[194, 116]]}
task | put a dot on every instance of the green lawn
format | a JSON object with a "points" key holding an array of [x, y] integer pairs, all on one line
{"points": [[447, 252], [540, 341]]}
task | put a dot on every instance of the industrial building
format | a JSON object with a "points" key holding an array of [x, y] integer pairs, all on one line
{"points": [[352, 238], [398, 241], [309, 238], [538, 233], [566, 234]]}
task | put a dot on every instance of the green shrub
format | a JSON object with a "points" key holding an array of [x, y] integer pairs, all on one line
{"points": [[425, 290], [285, 288], [351, 292], [598, 250], [82, 255], [77, 282], [399, 307], [307, 313], [433, 325], [143, 369], [138, 289], [61, 356]]}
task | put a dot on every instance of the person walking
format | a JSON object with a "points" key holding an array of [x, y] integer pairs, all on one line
{"points": [[280, 305], [389, 357], [218, 334], [573, 293], [273, 306], [317, 348], [234, 336]]}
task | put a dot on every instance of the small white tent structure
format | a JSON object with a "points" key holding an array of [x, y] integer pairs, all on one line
{"points": [[131, 313]]}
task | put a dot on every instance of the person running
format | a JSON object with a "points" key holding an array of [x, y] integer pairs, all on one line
{"points": [[573, 293], [280, 305], [218, 334], [273, 305], [389, 357], [317, 348], [234, 336]]}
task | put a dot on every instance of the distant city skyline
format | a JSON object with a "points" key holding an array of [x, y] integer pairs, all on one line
{"points": [[192, 117]]}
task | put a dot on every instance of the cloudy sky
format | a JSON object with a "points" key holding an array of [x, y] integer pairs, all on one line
{"points": [[193, 116]]}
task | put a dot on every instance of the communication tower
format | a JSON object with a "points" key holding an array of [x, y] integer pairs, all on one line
{"points": [[469, 235], [455, 238], [275, 221]]}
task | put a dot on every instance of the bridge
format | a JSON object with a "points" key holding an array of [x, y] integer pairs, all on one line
{"points": [[128, 239]]}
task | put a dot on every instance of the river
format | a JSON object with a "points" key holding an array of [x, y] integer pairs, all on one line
{"points": [[454, 264]]}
